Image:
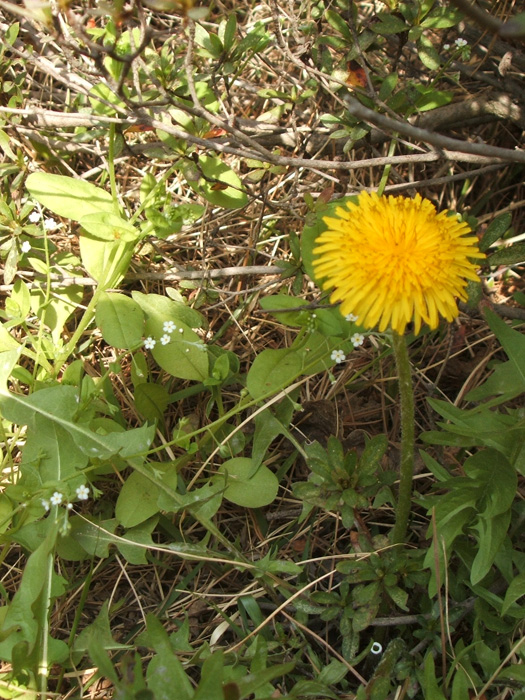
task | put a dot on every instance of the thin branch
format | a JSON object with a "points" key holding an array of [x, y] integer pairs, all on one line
{"points": [[443, 142]]}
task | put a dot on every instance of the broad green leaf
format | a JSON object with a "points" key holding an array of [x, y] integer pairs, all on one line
{"points": [[151, 400], [210, 686], [184, 355], [55, 311], [59, 406], [389, 24], [108, 227], [137, 500], [52, 449], [219, 185], [7, 342], [134, 542], [95, 537], [316, 351], [248, 485], [277, 305], [69, 197], [104, 101], [428, 55], [336, 21], [105, 262], [515, 591], [442, 18], [120, 319], [162, 308], [272, 371]]}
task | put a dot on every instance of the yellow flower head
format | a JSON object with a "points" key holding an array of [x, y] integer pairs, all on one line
{"points": [[392, 260]]}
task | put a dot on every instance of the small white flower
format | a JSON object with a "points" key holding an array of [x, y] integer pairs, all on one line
{"points": [[357, 339], [50, 224], [165, 339], [56, 499], [314, 315], [446, 47], [181, 330], [187, 350], [460, 43], [337, 356], [169, 327], [45, 503], [25, 247], [83, 493], [69, 506], [351, 318], [34, 217], [150, 343]]}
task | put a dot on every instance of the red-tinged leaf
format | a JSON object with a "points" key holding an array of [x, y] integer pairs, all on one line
{"points": [[215, 133], [138, 128], [356, 75]]}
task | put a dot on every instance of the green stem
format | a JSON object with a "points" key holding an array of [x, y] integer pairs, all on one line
{"points": [[406, 400]]}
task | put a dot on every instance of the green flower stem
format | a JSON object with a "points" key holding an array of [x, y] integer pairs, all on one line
{"points": [[406, 400]]}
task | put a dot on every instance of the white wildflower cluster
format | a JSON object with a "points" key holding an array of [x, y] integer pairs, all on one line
{"points": [[458, 43], [57, 498], [49, 224], [168, 327], [338, 356]]}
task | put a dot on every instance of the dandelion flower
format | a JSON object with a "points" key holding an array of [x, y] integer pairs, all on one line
{"points": [[338, 356], [393, 260]]}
